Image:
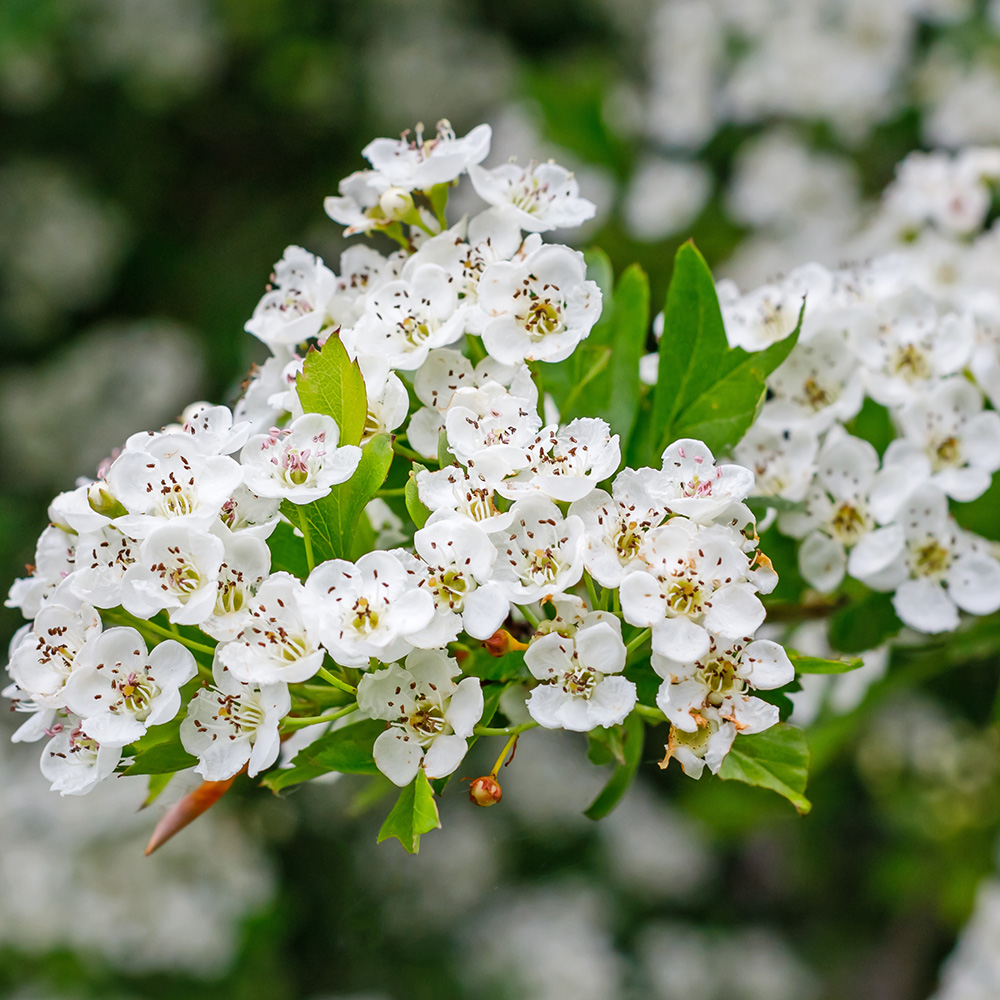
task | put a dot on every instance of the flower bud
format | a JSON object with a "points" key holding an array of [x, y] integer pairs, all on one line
{"points": [[485, 791], [396, 203], [102, 501], [501, 643]]}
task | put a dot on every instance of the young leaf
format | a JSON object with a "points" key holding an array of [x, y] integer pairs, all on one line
{"points": [[417, 511], [331, 383], [706, 389], [347, 750], [414, 814], [164, 758], [331, 521], [817, 665], [624, 774], [777, 758]]}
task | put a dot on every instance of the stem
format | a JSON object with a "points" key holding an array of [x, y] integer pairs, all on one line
{"points": [[144, 625], [336, 681], [304, 528], [409, 453], [395, 492], [508, 747], [617, 602], [638, 640], [533, 620], [653, 714], [591, 592], [315, 720], [507, 731]]}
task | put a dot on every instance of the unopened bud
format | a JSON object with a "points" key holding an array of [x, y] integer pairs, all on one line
{"points": [[396, 203], [103, 501], [502, 642], [485, 791]]}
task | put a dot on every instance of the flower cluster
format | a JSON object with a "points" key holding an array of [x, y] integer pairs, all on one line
{"points": [[211, 594]]}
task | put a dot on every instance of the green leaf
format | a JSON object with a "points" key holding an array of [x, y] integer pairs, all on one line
{"points": [[777, 758], [347, 750], [624, 774], [706, 389], [288, 553], [331, 521], [331, 383], [605, 745], [157, 783], [417, 511], [864, 624], [162, 758], [414, 814], [817, 665]]}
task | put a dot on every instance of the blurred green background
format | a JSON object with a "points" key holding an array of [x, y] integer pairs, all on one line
{"points": [[156, 156]]}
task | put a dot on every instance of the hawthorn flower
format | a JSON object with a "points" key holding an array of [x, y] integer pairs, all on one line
{"points": [[43, 657], [615, 525], [430, 716], [540, 307], [455, 490], [232, 725], [693, 485], [74, 762], [246, 513], [293, 309], [177, 571], [567, 463], [55, 560], [581, 687], [214, 428], [300, 463], [541, 553], [455, 566], [119, 689], [422, 163], [365, 609], [276, 643], [781, 456], [539, 197], [695, 584], [358, 202], [171, 479], [246, 561], [722, 680]]}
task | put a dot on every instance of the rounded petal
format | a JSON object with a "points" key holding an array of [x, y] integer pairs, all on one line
{"points": [[680, 639], [613, 699], [974, 584], [765, 665], [397, 756], [822, 561], [444, 755], [466, 708], [736, 611], [925, 606]]}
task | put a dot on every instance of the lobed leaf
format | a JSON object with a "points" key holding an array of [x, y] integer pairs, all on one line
{"points": [[331, 383], [414, 814], [777, 758]]}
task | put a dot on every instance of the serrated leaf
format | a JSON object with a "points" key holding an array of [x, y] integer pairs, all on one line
{"points": [[414, 506], [162, 758], [288, 552], [777, 758], [157, 783], [346, 750], [331, 383], [331, 520], [624, 774], [706, 389], [818, 665], [414, 814]]}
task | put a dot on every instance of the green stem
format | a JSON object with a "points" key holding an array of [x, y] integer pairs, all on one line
{"points": [[304, 528], [315, 720], [591, 592], [505, 731], [400, 492], [617, 605], [653, 714], [533, 620], [409, 453], [144, 625], [638, 640], [336, 681]]}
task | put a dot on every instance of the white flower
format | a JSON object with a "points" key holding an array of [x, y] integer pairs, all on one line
{"points": [[171, 480], [693, 485], [74, 762], [176, 570], [246, 513], [246, 561], [430, 716], [358, 204], [300, 463], [455, 567], [782, 456], [119, 689], [55, 560], [541, 554], [696, 583], [404, 319], [214, 429], [372, 608], [423, 163], [540, 307], [539, 197], [759, 318], [455, 490], [580, 686], [43, 657], [567, 463], [614, 526], [232, 725], [721, 680], [293, 310], [277, 643]]}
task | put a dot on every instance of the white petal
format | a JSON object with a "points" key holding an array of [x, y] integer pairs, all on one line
{"points": [[444, 755], [822, 561], [680, 639], [736, 611], [397, 756], [765, 665], [974, 584], [925, 606]]}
